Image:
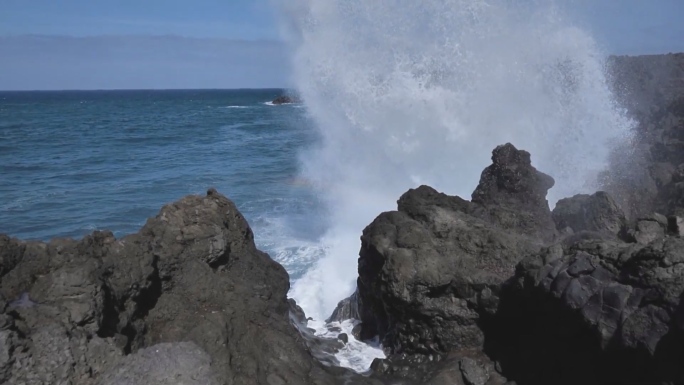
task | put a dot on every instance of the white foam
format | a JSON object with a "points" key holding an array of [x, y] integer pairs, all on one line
{"points": [[406, 92], [355, 354]]}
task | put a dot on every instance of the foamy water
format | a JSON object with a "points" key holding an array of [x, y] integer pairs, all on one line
{"points": [[407, 92]]}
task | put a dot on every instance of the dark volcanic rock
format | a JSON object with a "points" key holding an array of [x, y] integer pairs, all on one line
{"points": [[595, 311], [346, 309], [97, 310], [597, 212], [514, 193], [430, 273], [461, 367], [285, 100]]}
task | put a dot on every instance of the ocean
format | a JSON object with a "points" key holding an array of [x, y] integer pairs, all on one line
{"points": [[77, 161]]}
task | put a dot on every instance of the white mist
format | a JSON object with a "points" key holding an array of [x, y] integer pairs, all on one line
{"points": [[408, 92]]}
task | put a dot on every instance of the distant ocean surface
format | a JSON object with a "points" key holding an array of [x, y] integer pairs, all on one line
{"points": [[76, 161]]}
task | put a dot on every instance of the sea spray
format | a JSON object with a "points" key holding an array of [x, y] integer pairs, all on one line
{"points": [[407, 92]]}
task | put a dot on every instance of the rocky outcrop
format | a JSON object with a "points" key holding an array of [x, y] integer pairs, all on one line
{"points": [[477, 292], [430, 273], [189, 295]]}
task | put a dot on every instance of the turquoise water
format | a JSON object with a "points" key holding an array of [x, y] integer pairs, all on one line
{"points": [[74, 162]]}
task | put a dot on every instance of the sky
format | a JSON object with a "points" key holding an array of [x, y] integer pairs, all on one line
{"points": [[99, 44]]}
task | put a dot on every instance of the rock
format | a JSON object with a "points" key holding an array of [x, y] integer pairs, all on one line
{"points": [[514, 193], [676, 225], [597, 212], [7, 346], [647, 231], [460, 367], [430, 273], [284, 99], [343, 337], [356, 331], [473, 372], [97, 309], [181, 363], [595, 311], [346, 309]]}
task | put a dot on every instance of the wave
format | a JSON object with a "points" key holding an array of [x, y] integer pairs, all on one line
{"points": [[405, 93]]}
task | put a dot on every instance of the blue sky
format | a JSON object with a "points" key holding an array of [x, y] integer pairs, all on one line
{"points": [[228, 43], [230, 19]]}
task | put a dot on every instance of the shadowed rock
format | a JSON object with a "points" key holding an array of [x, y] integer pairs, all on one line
{"points": [[595, 311]]}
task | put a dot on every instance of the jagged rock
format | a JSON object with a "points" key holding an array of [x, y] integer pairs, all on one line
{"points": [[192, 274], [597, 212], [346, 309], [595, 311], [514, 193], [430, 272]]}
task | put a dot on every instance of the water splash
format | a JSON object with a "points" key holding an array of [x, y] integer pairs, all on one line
{"points": [[409, 92]]}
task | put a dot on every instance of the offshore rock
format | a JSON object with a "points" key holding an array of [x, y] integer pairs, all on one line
{"points": [[430, 273], [97, 310], [284, 99]]}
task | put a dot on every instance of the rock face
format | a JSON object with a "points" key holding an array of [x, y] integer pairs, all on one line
{"points": [[595, 311], [597, 212], [430, 273], [189, 291]]}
